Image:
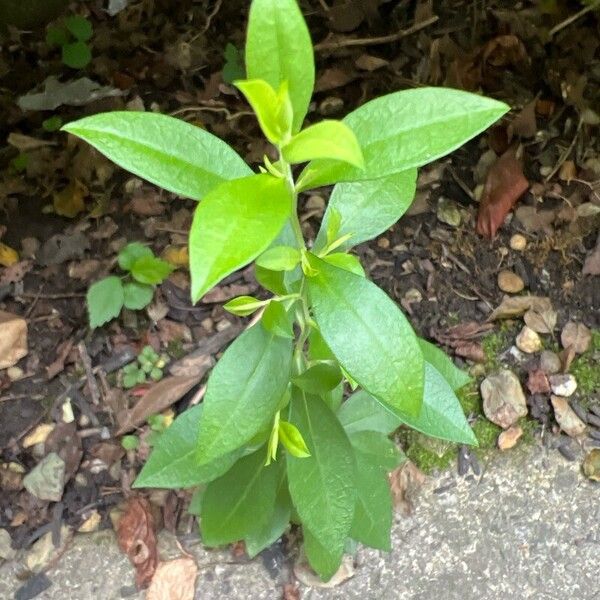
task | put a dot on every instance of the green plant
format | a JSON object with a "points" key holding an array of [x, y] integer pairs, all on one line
{"points": [[273, 440], [134, 291], [71, 36], [148, 364]]}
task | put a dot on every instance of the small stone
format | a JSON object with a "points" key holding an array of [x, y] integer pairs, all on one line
{"points": [[503, 398], [565, 416], [13, 339], [510, 282], [550, 362], [6, 550], [563, 385], [91, 524], [518, 242], [577, 336], [528, 341], [509, 438], [447, 212], [38, 435], [43, 552], [15, 373], [591, 465], [46, 480], [383, 242]]}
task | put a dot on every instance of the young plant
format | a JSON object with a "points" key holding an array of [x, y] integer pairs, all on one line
{"points": [[72, 37], [134, 291], [274, 440], [148, 364]]}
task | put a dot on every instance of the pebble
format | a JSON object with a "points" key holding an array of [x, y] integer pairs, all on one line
{"points": [[509, 438], [591, 465], [593, 420], [15, 373], [518, 242], [503, 398], [565, 416], [448, 213], [579, 411], [43, 552], [528, 341], [510, 282], [550, 362], [577, 336], [46, 480], [6, 550], [38, 435], [563, 385]]}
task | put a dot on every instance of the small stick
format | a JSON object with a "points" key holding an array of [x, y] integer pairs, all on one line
{"points": [[573, 18], [50, 296], [565, 154], [89, 374], [375, 41]]}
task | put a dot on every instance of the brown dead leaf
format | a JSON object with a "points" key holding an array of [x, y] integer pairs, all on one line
{"points": [[174, 580], [137, 539], [58, 364], [515, 306], [13, 339], [541, 318], [405, 482], [524, 123], [69, 202], [591, 266], [146, 205], [504, 185], [159, 397], [537, 382], [16, 272], [333, 78], [576, 336]]}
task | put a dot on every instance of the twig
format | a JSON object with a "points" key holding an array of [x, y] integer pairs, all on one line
{"points": [[324, 5], [565, 154], [573, 18], [212, 15], [89, 373], [50, 296], [218, 109], [375, 41]]}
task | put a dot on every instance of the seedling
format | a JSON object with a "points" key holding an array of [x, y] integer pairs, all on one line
{"points": [[134, 291], [148, 364], [274, 439], [72, 37]]}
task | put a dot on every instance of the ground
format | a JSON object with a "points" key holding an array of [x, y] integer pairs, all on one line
{"points": [[66, 212]]}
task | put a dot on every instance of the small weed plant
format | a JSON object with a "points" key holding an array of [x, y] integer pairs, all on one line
{"points": [[72, 36], [274, 440]]}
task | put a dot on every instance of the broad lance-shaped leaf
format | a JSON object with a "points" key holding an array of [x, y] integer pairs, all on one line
{"points": [[168, 152], [322, 484], [322, 557], [243, 391], [233, 225], [407, 129], [243, 499], [173, 462], [279, 48], [455, 377], [368, 208], [368, 334]]}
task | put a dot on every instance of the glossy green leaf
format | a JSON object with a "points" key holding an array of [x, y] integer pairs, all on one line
{"points": [[292, 440], [240, 501], [279, 48], [273, 281], [80, 27], [348, 262], [151, 270], [437, 358], [243, 391], [130, 253], [242, 306], [233, 69], [407, 129], [233, 225], [377, 448], [104, 300], [322, 485], [279, 258], [367, 208], [168, 152], [319, 378], [327, 139], [361, 412], [76, 55], [277, 320], [173, 461], [322, 557], [369, 335], [137, 295]]}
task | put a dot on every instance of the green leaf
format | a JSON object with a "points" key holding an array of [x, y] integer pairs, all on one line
{"points": [[361, 412], [277, 320], [437, 358], [137, 295], [292, 440], [130, 442], [407, 129], [76, 55], [80, 27], [243, 391], [151, 270], [441, 415], [173, 462], [322, 485], [57, 36], [171, 153], [104, 300], [53, 123], [279, 48], [367, 208], [320, 378], [279, 258], [322, 557], [262, 537], [327, 139], [268, 105], [240, 501], [234, 64], [369, 335], [348, 262], [378, 449], [233, 225], [132, 252], [242, 306]]}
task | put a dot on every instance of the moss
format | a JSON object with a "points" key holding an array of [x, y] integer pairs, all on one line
{"points": [[175, 349], [529, 427], [486, 433], [469, 399], [429, 461], [585, 369]]}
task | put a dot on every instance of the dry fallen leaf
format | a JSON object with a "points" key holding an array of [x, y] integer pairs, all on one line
{"points": [[8, 256], [504, 185], [174, 580], [576, 336], [591, 266], [69, 202], [539, 310], [405, 482], [137, 538], [13, 339]]}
